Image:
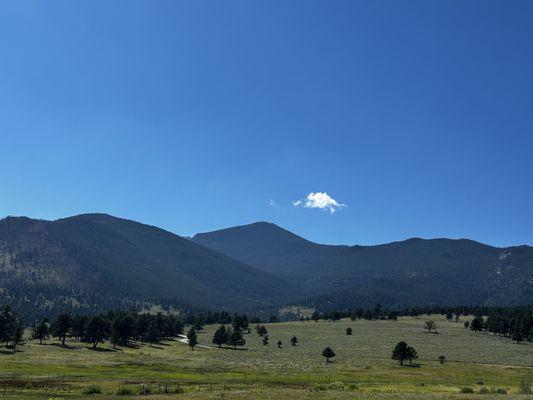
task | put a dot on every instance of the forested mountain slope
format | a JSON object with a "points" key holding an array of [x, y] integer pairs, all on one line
{"points": [[96, 262], [406, 273]]}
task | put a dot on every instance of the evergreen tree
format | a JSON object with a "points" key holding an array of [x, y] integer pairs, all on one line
{"points": [[221, 336], [18, 334], [400, 352], [98, 329], [178, 327], [430, 325], [8, 325], [61, 326], [349, 331], [40, 331], [236, 339], [517, 337], [122, 329], [153, 334], [79, 323], [294, 340], [315, 316], [477, 324], [411, 354], [261, 330], [192, 338], [265, 340], [328, 353]]}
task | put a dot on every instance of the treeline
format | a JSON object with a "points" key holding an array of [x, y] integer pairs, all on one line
{"points": [[511, 322], [123, 328], [11, 328]]}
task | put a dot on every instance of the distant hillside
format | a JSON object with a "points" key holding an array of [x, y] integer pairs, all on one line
{"points": [[96, 262], [402, 274]]}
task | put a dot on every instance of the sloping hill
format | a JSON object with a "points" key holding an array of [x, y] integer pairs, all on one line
{"points": [[407, 273], [96, 261]]}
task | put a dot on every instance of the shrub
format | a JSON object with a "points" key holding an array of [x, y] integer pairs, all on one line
{"points": [[93, 389], [124, 391], [526, 386], [144, 389], [335, 386], [500, 391], [467, 390], [484, 390]]}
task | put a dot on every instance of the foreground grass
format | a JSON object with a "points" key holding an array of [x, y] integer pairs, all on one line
{"points": [[362, 366]]}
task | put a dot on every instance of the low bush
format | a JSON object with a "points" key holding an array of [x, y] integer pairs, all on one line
{"points": [[467, 390], [144, 389], [526, 385], [93, 389], [336, 386], [124, 391]]}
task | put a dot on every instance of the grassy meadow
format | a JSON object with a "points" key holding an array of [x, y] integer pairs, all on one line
{"points": [[362, 368]]}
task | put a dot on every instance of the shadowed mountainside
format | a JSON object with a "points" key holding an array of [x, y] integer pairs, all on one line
{"points": [[402, 274], [96, 262]]}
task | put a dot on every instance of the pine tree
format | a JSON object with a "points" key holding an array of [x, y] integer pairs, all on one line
{"points": [[294, 340], [411, 354], [328, 353], [265, 340], [192, 338], [477, 324], [97, 330], [400, 352], [236, 339], [40, 331], [8, 324], [153, 334], [18, 334], [261, 330], [349, 331], [517, 337], [61, 327], [430, 325], [221, 336]]}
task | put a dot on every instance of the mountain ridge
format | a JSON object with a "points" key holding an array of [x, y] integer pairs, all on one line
{"points": [[433, 268], [96, 261]]}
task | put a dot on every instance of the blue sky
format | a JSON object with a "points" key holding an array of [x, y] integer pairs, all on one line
{"points": [[194, 115]]}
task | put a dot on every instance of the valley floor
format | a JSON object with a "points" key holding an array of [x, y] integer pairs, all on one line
{"points": [[362, 368]]}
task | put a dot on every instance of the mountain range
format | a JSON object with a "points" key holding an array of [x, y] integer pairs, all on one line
{"points": [[413, 272], [94, 262]]}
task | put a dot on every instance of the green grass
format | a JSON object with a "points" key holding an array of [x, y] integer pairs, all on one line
{"points": [[362, 367]]}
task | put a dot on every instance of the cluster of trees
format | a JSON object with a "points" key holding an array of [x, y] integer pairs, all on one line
{"points": [[11, 328], [377, 313], [121, 328], [227, 335], [516, 325], [512, 322]]}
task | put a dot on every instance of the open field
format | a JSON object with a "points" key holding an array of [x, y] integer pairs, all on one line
{"points": [[361, 369]]}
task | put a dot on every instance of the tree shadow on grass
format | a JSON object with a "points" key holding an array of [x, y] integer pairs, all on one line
{"points": [[153, 346], [102, 349], [231, 348], [413, 365], [9, 352], [66, 346]]}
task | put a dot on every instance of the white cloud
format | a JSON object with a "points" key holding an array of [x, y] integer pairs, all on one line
{"points": [[271, 202], [320, 200]]}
